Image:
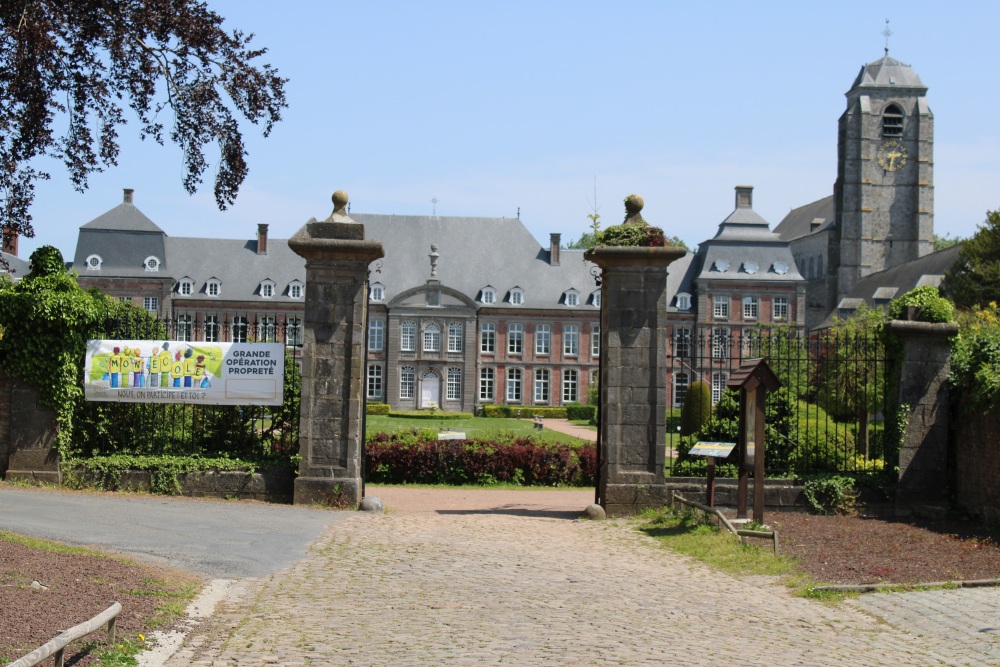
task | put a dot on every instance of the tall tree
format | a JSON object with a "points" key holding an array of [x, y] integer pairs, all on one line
{"points": [[68, 69], [974, 278]]}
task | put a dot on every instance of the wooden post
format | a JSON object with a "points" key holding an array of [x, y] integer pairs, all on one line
{"points": [[759, 455], [710, 495]]}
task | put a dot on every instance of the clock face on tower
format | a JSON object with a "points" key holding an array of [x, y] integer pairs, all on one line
{"points": [[891, 155]]}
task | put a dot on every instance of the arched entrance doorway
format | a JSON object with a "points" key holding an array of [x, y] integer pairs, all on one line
{"points": [[430, 389]]}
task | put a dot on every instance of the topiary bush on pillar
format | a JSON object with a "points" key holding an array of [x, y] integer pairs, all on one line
{"points": [[697, 407]]}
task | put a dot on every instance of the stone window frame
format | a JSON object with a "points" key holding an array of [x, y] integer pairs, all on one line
{"points": [[719, 380], [184, 328], [680, 388], [240, 333], [516, 297], [683, 301], [456, 336], [211, 328], [570, 385], [266, 289], [407, 383], [541, 386], [487, 383], [296, 290], [720, 343], [213, 287], [892, 121], [571, 340], [376, 292], [376, 335], [514, 385], [543, 340], [571, 298], [408, 336], [682, 342], [751, 308], [185, 287], [267, 329], [488, 338], [431, 339], [453, 384], [515, 338], [488, 295], [595, 298], [94, 263], [373, 381], [151, 304], [595, 341], [293, 331], [720, 307], [151, 263], [780, 309]]}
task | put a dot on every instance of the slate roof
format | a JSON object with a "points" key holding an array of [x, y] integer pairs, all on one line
{"points": [[18, 268], [745, 249], [799, 221], [474, 253], [123, 238], [887, 72], [680, 278]]}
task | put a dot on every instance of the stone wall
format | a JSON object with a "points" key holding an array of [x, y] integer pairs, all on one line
{"points": [[977, 463], [271, 485], [27, 434]]}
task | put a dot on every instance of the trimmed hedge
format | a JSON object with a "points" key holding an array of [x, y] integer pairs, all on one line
{"points": [[377, 408], [501, 411], [399, 458], [578, 411], [413, 414]]}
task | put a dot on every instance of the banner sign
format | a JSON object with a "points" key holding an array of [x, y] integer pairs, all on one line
{"points": [[143, 371]]}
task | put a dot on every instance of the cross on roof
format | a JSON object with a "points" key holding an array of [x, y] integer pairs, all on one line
{"points": [[887, 34]]}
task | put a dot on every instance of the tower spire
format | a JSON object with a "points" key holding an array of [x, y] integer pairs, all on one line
{"points": [[887, 34]]}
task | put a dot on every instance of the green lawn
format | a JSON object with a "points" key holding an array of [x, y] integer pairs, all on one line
{"points": [[474, 427]]}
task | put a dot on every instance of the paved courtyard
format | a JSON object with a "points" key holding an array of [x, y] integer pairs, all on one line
{"points": [[472, 578]]}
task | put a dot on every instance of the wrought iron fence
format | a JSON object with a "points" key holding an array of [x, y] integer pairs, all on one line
{"points": [[251, 432], [832, 413]]}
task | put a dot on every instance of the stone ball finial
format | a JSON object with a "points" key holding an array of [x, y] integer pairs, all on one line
{"points": [[633, 204], [340, 200]]}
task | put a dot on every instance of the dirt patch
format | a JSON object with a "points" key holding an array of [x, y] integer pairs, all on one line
{"points": [[76, 588]]}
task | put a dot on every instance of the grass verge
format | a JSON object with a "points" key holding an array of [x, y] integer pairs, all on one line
{"points": [[693, 534]]}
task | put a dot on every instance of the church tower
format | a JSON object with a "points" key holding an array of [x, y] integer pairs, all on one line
{"points": [[884, 194]]}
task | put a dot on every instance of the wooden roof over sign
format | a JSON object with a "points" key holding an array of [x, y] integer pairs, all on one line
{"points": [[752, 374]]}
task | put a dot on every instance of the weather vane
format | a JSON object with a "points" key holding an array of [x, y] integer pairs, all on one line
{"points": [[434, 203], [887, 34]]}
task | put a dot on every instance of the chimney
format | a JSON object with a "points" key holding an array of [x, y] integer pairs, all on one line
{"points": [[127, 199], [10, 241], [262, 239], [744, 196], [554, 248]]}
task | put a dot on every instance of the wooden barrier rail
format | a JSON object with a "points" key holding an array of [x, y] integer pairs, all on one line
{"points": [[58, 644], [739, 532]]}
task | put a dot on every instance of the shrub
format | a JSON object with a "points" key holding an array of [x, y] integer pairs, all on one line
{"points": [[633, 235], [522, 411], [578, 411], [697, 407], [377, 409], [413, 458], [929, 304]]}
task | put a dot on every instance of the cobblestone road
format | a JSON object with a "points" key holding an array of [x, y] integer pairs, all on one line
{"points": [[465, 587]]}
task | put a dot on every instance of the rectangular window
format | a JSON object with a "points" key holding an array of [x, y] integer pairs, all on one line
{"points": [[266, 290], [240, 327], [682, 342], [432, 338], [454, 384], [488, 338], [151, 303], [571, 340], [515, 338], [184, 327], [213, 289], [513, 385], [456, 332], [718, 386], [720, 307], [295, 291], [779, 309], [407, 381], [293, 331], [543, 339], [376, 335], [595, 341], [374, 381], [541, 385], [487, 378], [185, 288], [268, 330], [570, 386], [408, 336], [212, 328], [751, 307], [720, 344], [680, 389]]}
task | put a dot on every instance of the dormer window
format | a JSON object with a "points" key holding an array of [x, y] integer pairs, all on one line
{"points": [[720, 265], [571, 298], [266, 289], [892, 121], [595, 299], [213, 288], [780, 268], [683, 301], [94, 263], [488, 295], [376, 292], [750, 267], [295, 290], [517, 297], [185, 287], [151, 263]]}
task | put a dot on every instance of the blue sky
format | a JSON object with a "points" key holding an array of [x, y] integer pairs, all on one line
{"points": [[492, 107]]}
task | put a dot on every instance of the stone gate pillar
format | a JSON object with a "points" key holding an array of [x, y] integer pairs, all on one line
{"points": [[923, 386], [333, 356], [633, 390]]}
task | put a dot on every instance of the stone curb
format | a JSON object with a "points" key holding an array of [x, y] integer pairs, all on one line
{"points": [[876, 588]]}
